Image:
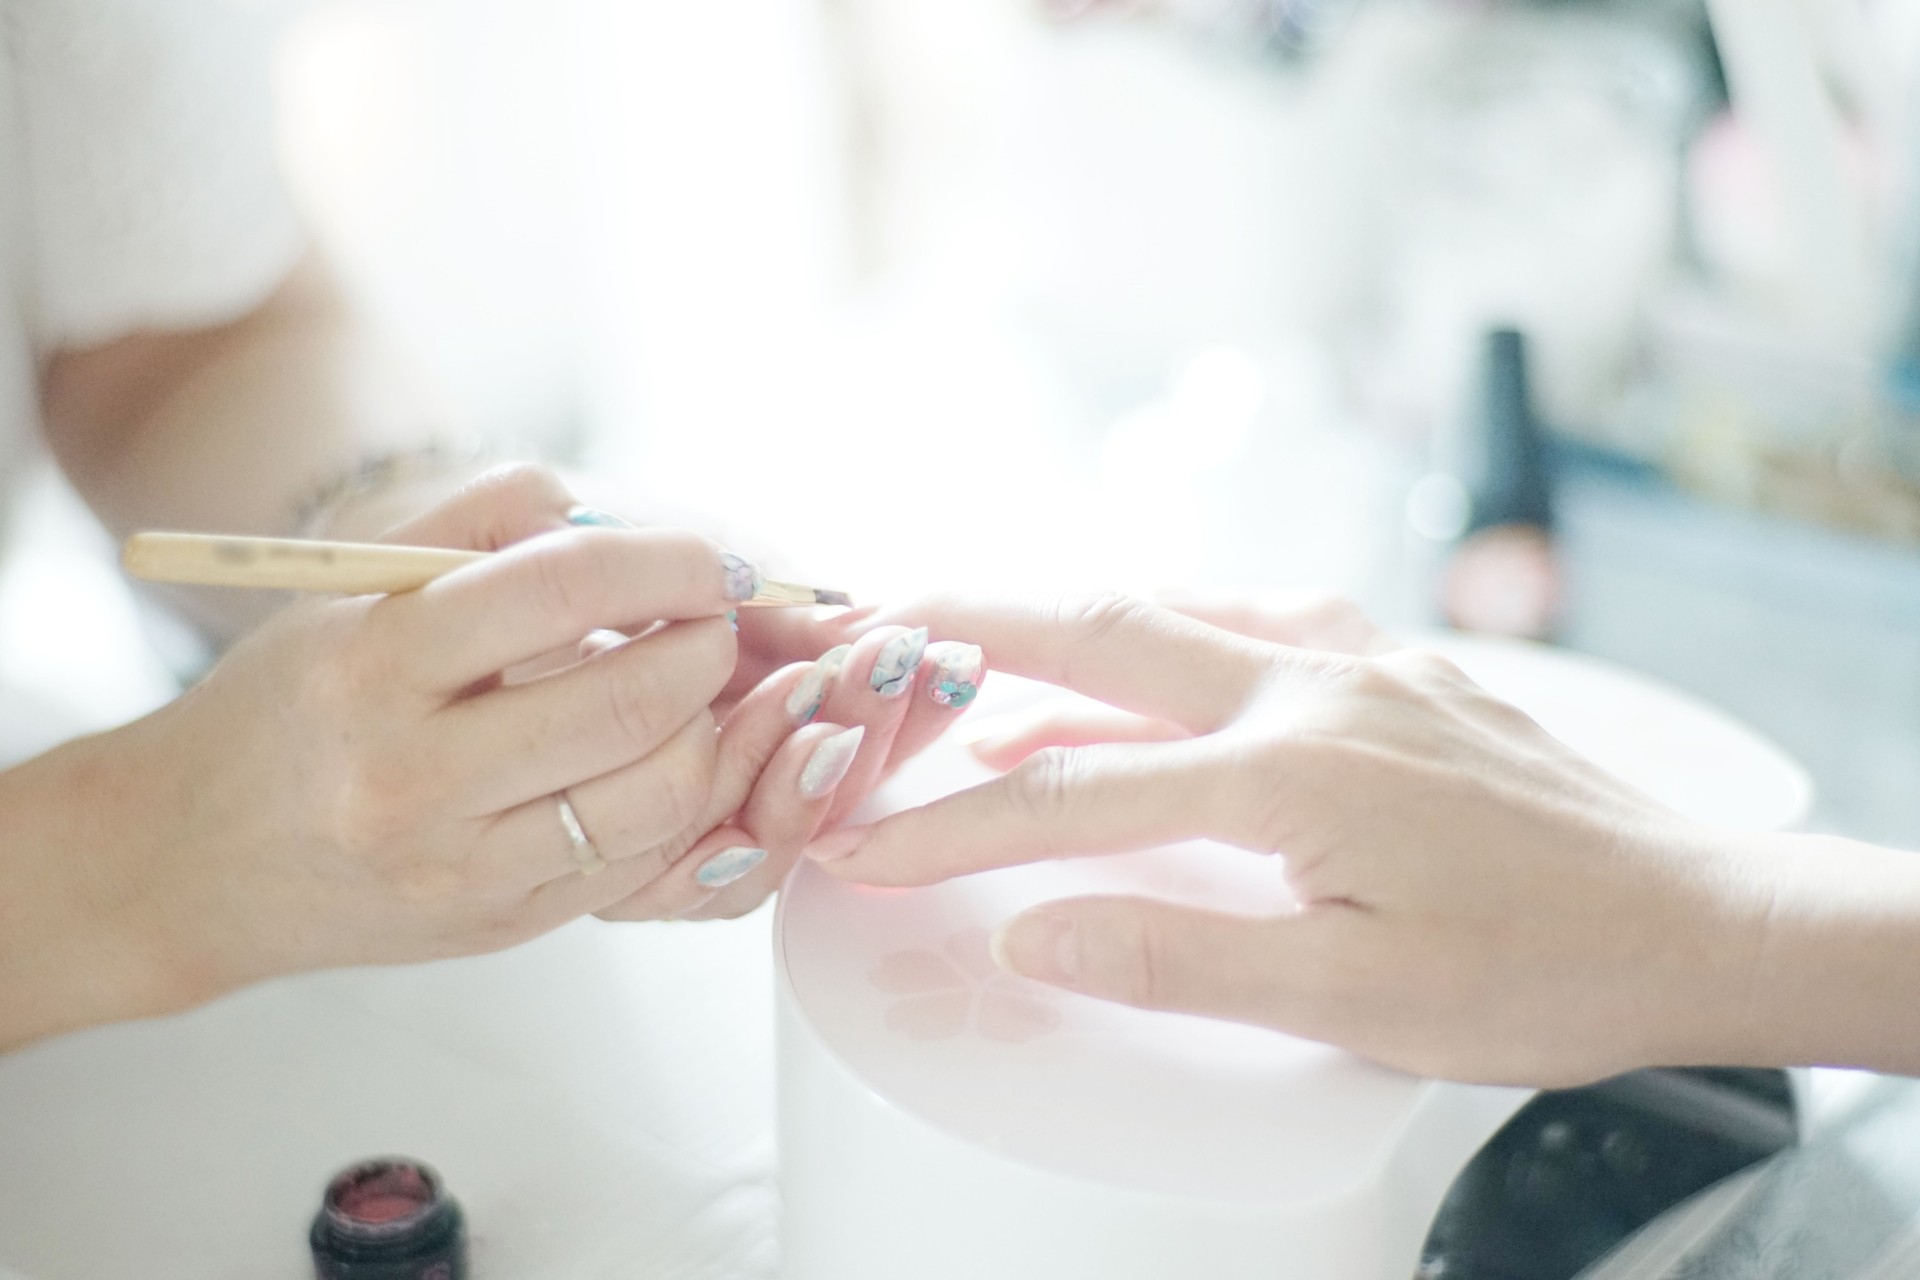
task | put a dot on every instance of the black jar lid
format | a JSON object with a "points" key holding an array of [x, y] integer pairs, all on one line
{"points": [[388, 1218]]}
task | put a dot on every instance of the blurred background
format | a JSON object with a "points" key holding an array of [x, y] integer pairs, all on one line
{"points": [[1589, 322]]}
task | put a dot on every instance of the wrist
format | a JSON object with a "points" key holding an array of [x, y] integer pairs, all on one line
{"points": [[1834, 956], [81, 941]]}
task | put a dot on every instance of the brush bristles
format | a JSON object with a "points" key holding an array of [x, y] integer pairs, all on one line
{"points": [[789, 593]]}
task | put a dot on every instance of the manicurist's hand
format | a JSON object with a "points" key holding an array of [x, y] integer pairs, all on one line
{"points": [[1475, 900], [355, 782]]}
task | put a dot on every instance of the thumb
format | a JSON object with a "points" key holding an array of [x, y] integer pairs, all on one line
{"points": [[1158, 955]]}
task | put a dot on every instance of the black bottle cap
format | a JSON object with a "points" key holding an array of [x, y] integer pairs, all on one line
{"points": [[388, 1219], [1502, 460]]}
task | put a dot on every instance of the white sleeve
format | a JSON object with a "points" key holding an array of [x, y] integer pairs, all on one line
{"points": [[153, 193]]}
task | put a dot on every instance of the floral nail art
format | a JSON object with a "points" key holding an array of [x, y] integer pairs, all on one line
{"points": [[728, 865], [893, 669], [943, 994], [830, 761], [954, 676], [743, 577]]}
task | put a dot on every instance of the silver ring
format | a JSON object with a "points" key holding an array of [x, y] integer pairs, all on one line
{"points": [[591, 863]]}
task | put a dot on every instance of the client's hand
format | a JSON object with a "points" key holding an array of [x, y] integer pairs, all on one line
{"points": [[1476, 901]]}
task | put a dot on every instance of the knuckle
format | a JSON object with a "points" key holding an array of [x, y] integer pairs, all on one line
{"points": [[1423, 666], [685, 788], [571, 577], [1040, 786], [633, 708], [524, 484], [1090, 618]]}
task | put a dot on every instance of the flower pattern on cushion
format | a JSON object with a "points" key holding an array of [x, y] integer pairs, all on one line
{"points": [[939, 995]]}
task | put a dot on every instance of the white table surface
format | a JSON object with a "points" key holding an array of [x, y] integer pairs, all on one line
{"points": [[599, 1100]]}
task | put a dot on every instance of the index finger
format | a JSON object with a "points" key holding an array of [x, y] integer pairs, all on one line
{"points": [[547, 593], [1115, 648]]}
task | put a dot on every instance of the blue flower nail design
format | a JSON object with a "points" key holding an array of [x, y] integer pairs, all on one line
{"points": [[954, 679]]}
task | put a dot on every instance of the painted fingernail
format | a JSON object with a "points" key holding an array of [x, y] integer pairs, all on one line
{"points": [[733, 620], [743, 577], [836, 845], [1040, 946], [893, 669], [830, 761], [835, 658], [803, 704], [593, 517], [954, 677], [728, 865]]}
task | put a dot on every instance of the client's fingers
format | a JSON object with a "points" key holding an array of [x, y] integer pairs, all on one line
{"points": [[1156, 955], [1119, 650], [1005, 740], [1331, 624], [1059, 803], [873, 687], [786, 809], [952, 672], [747, 742]]}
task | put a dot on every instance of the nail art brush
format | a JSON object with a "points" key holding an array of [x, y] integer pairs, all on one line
{"points": [[350, 568]]}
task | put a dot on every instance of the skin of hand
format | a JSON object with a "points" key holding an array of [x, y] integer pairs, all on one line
{"points": [[1475, 900], [355, 782]]}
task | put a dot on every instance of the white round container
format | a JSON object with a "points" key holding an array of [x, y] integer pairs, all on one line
{"points": [[943, 1120]]}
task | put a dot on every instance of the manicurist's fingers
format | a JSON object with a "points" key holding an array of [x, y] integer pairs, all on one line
{"points": [[545, 594], [1157, 955], [1060, 803], [594, 717], [495, 509]]}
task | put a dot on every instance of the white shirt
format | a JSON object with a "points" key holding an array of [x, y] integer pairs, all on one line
{"points": [[138, 183], [138, 188]]}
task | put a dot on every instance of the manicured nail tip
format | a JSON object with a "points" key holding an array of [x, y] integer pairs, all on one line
{"points": [[810, 692], [593, 517], [830, 761], [836, 845], [893, 669], [835, 658], [1040, 946], [743, 577], [954, 678], [728, 865], [733, 620]]}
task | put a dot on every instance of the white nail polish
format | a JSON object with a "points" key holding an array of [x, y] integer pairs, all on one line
{"points": [[830, 760], [728, 865]]}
